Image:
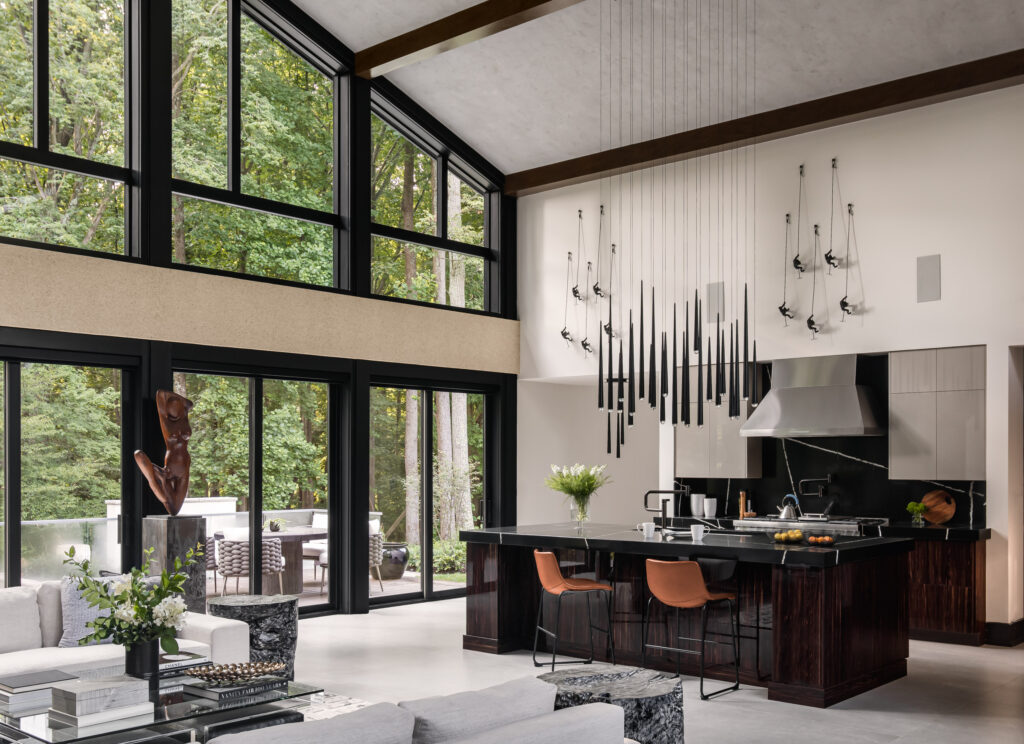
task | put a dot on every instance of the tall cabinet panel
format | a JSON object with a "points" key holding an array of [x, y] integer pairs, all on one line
{"points": [[716, 450], [937, 414]]}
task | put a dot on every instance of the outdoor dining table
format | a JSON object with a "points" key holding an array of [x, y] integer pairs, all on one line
{"points": [[291, 539]]}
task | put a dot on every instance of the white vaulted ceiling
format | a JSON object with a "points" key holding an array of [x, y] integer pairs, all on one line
{"points": [[531, 95]]}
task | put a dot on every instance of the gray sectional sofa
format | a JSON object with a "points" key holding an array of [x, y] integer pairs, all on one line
{"points": [[521, 711]]}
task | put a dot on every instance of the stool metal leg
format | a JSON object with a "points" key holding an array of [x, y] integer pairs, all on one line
{"points": [[645, 630], [734, 633]]}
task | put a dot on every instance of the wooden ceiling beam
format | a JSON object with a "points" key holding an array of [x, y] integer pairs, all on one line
{"points": [[451, 32], [990, 73]]}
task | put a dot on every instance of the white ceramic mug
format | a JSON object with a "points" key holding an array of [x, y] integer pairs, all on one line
{"points": [[697, 504], [697, 532], [710, 508], [647, 528]]}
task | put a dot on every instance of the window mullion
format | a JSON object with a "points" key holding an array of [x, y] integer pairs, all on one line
{"points": [[255, 485], [41, 68], [427, 491], [234, 96], [12, 472]]}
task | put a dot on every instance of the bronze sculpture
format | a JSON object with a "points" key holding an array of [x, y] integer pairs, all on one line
{"points": [[170, 482]]}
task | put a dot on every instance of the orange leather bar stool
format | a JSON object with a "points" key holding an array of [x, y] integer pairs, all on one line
{"points": [[552, 582], [680, 584]]}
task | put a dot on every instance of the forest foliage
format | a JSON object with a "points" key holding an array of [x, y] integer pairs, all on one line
{"points": [[71, 424]]}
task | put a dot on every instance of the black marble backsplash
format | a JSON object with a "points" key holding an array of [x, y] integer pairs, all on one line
{"points": [[861, 490]]}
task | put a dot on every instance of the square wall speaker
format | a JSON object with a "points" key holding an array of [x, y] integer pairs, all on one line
{"points": [[715, 294], [929, 278]]}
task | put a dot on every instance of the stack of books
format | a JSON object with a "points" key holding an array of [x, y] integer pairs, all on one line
{"points": [[222, 693], [20, 693], [173, 673], [98, 705]]}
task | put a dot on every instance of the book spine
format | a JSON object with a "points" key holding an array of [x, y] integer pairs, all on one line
{"points": [[244, 691]]}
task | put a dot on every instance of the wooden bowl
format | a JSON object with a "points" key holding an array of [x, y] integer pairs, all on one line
{"points": [[941, 506]]}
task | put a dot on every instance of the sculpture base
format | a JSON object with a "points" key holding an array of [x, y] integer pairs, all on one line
{"points": [[171, 537]]}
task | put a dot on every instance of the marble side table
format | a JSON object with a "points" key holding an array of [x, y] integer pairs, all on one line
{"points": [[273, 624], [651, 701]]}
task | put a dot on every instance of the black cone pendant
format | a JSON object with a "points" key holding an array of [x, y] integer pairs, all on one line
{"points": [[641, 340], [632, 373], [754, 374], [621, 398], [708, 391], [719, 379], [696, 323], [675, 373], [664, 376], [652, 382], [746, 346], [600, 371], [700, 384]]}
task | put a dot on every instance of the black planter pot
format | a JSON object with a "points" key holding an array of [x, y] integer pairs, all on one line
{"points": [[143, 662], [396, 558]]}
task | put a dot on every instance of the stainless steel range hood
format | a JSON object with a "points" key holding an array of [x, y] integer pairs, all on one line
{"points": [[815, 397]]}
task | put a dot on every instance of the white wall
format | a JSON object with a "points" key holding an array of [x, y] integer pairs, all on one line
{"points": [[560, 425], [946, 179]]}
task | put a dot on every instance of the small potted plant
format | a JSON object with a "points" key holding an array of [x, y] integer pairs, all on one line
{"points": [[143, 612], [917, 510], [275, 525], [578, 483]]}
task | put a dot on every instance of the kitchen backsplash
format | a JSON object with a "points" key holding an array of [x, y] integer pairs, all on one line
{"points": [[862, 490]]}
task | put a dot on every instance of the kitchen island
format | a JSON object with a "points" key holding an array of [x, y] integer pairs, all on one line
{"points": [[818, 624]]}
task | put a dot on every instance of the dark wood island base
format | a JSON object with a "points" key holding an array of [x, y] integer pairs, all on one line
{"points": [[817, 625]]}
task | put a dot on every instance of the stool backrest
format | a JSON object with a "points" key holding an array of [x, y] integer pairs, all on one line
{"points": [[548, 572], [677, 583]]}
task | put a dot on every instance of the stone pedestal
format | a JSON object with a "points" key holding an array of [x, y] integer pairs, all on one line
{"points": [[171, 537], [273, 624], [651, 701]]}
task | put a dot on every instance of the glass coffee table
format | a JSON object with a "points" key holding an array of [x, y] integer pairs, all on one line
{"points": [[193, 719]]}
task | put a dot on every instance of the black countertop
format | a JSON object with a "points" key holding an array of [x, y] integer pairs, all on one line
{"points": [[745, 547], [947, 532]]}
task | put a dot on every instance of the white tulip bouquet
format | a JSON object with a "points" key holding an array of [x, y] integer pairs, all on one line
{"points": [[578, 483]]}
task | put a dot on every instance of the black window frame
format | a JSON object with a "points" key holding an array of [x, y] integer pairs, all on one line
{"points": [[149, 185]]}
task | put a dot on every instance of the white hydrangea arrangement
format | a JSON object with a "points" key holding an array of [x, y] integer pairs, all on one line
{"points": [[141, 608], [578, 483]]}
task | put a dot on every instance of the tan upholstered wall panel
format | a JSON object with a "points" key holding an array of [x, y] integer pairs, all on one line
{"points": [[54, 291]]}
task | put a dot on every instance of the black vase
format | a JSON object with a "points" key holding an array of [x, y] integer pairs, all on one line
{"points": [[396, 558], [143, 662]]}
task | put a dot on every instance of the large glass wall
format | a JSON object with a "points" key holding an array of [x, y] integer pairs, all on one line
{"points": [[70, 467], [414, 498], [292, 433]]}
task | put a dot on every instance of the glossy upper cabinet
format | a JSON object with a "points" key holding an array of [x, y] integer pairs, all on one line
{"points": [[716, 449], [937, 414]]}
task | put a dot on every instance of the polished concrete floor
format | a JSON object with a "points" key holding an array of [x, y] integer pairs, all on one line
{"points": [[951, 694]]}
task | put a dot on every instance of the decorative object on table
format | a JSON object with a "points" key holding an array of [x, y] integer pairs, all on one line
{"points": [[87, 697], [144, 614], [171, 537], [916, 509], [940, 506], [173, 665], [170, 482], [275, 525], [234, 673], [30, 690], [652, 702], [394, 560], [578, 483], [273, 625], [232, 691]]}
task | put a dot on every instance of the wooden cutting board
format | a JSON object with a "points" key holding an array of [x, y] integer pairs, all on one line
{"points": [[941, 506]]}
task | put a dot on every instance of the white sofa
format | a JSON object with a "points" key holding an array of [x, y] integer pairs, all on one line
{"points": [[522, 711], [33, 623]]}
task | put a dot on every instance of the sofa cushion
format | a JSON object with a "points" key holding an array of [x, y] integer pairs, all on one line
{"points": [[19, 616], [76, 614], [451, 717], [383, 723], [86, 661], [594, 723], [51, 621]]}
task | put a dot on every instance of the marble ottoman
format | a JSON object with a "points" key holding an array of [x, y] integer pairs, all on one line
{"points": [[273, 622], [652, 701]]}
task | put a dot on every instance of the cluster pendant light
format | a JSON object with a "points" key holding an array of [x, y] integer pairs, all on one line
{"points": [[666, 232]]}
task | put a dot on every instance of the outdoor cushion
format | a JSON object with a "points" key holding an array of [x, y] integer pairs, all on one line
{"points": [[76, 613], [594, 723], [459, 716], [19, 617], [82, 660], [51, 624], [383, 723]]}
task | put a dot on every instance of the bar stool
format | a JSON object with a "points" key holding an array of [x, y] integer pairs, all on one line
{"points": [[553, 583], [680, 585], [720, 576]]}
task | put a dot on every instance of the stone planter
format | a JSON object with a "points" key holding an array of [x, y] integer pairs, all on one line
{"points": [[396, 558]]}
